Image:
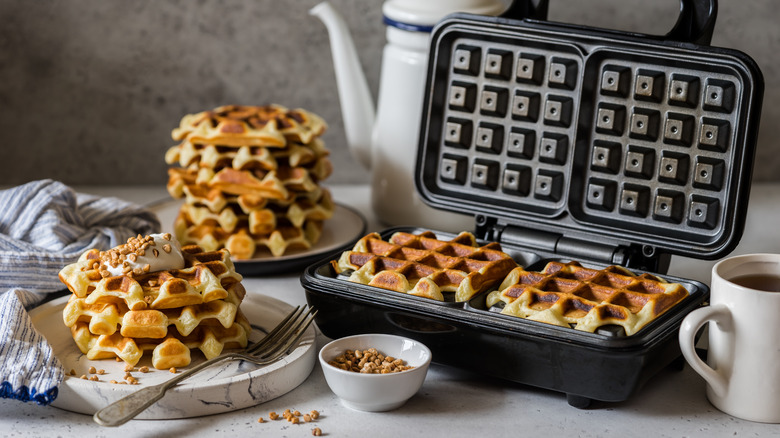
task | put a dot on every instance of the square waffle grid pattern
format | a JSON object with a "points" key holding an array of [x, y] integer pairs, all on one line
{"points": [[425, 266], [661, 143], [588, 299], [509, 122], [637, 142]]}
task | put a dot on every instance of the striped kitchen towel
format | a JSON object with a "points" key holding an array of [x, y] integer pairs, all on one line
{"points": [[45, 225]]}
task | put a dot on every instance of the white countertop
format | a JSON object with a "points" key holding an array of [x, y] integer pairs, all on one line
{"points": [[451, 402]]}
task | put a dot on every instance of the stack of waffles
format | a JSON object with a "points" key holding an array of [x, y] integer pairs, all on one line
{"points": [[151, 295], [425, 266], [570, 295], [250, 177]]}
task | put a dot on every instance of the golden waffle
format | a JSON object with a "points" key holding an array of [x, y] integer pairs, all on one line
{"points": [[283, 184], [424, 266], [216, 200], [211, 156], [171, 351], [243, 245], [106, 318], [237, 125], [207, 276], [262, 218], [570, 295]]}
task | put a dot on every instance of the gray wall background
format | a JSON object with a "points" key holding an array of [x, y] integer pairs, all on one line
{"points": [[90, 90]]}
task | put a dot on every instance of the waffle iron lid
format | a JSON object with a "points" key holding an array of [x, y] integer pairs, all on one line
{"points": [[597, 135]]}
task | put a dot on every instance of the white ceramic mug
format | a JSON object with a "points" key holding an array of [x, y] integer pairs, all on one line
{"points": [[743, 359]]}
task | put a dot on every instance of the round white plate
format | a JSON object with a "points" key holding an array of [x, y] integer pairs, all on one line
{"points": [[221, 388], [344, 227]]}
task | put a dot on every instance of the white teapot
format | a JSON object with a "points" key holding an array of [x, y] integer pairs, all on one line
{"points": [[385, 141]]}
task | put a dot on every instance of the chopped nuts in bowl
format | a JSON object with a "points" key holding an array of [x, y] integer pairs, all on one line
{"points": [[375, 372]]}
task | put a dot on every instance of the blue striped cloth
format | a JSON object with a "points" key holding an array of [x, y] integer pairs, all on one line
{"points": [[45, 225]]}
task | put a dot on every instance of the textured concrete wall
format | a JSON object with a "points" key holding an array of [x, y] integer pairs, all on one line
{"points": [[90, 90]]}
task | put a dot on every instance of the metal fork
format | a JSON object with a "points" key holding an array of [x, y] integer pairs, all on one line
{"points": [[283, 338]]}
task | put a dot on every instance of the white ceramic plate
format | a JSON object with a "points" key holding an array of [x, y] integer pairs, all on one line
{"points": [[221, 388], [346, 226]]}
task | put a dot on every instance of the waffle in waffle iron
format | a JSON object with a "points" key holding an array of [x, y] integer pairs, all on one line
{"points": [[425, 266], [570, 295]]}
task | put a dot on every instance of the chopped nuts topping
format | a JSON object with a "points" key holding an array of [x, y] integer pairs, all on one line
{"points": [[129, 252], [369, 361], [316, 431]]}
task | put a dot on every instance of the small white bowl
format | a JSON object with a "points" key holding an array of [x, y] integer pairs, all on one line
{"points": [[376, 392]]}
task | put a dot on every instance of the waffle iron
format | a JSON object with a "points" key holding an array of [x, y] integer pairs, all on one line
{"points": [[570, 143]]}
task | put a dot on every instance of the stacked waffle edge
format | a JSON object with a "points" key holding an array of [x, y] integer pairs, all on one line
{"points": [[250, 177], [166, 312]]}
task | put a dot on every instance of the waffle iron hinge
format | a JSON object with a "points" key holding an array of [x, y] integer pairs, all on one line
{"points": [[552, 244]]}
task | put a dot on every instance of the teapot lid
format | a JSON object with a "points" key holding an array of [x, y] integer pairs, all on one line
{"points": [[422, 15]]}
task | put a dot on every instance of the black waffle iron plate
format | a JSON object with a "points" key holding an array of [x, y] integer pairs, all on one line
{"points": [[570, 143]]}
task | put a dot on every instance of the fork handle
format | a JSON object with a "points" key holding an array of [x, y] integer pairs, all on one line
{"points": [[129, 406]]}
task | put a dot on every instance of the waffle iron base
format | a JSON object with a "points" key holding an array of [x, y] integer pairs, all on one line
{"points": [[584, 366]]}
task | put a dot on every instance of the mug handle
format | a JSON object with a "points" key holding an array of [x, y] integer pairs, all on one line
{"points": [[691, 325]]}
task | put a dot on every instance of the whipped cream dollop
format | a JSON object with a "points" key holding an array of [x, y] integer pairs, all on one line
{"points": [[142, 254]]}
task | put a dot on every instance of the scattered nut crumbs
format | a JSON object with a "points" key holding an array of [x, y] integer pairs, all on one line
{"points": [[144, 369], [128, 368], [316, 431], [292, 417], [92, 370], [369, 361], [173, 370]]}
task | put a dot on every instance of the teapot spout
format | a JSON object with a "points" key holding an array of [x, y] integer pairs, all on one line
{"points": [[357, 106]]}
